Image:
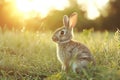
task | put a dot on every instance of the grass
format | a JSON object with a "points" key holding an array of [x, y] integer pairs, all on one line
{"points": [[32, 56]]}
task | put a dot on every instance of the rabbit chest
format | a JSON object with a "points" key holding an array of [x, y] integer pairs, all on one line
{"points": [[64, 53]]}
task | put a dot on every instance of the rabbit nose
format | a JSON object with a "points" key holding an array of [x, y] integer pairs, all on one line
{"points": [[55, 39]]}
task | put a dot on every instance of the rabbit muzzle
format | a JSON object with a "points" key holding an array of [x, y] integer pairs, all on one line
{"points": [[55, 39]]}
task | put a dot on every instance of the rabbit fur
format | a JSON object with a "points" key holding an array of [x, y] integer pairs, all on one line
{"points": [[70, 53]]}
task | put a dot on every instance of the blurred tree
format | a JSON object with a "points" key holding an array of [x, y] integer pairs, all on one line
{"points": [[112, 21], [34, 23], [7, 16], [54, 18]]}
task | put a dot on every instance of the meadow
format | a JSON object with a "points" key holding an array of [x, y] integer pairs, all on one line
{"points": [[26, 55]]}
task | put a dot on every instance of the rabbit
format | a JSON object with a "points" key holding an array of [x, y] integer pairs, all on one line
{"points": [[70, 53]]}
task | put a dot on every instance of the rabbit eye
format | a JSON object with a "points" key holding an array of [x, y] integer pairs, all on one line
{"points": [[62, 32]]}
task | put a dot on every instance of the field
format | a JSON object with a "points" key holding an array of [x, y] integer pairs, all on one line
{"points": [[32, 56]]}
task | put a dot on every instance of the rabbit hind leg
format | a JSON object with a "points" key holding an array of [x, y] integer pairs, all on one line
{"points": [[78, 65]]}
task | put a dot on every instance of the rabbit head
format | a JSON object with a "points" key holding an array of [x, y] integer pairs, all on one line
{"points": [[65, 33]]}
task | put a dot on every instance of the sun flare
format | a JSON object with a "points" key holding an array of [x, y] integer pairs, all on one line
{"points": [[92, 7], [41, 6]]}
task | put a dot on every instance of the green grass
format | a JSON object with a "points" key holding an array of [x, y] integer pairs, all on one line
{"points": [[32, 56]]}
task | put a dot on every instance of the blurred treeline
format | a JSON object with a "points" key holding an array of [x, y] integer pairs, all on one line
{"points": [[10, 20]]}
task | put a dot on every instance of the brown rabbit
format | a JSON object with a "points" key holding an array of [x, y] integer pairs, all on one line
{"points": [[71, 53]]}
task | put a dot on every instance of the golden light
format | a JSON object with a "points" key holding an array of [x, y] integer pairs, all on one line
{"points": [[41, 6], [24, 5], [92, 7]]}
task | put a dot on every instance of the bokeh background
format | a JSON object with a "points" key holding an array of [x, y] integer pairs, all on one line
{"points": [[27, 51], [42, 15]]}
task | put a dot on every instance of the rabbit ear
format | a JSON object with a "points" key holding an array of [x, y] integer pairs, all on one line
{"points": [[73, 20], [66, 21]]}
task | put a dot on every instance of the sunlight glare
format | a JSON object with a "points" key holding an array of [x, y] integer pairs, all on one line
{"points": [[24, 5], [92, 7], [41, 6], [92, 12], [101, 3]]}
